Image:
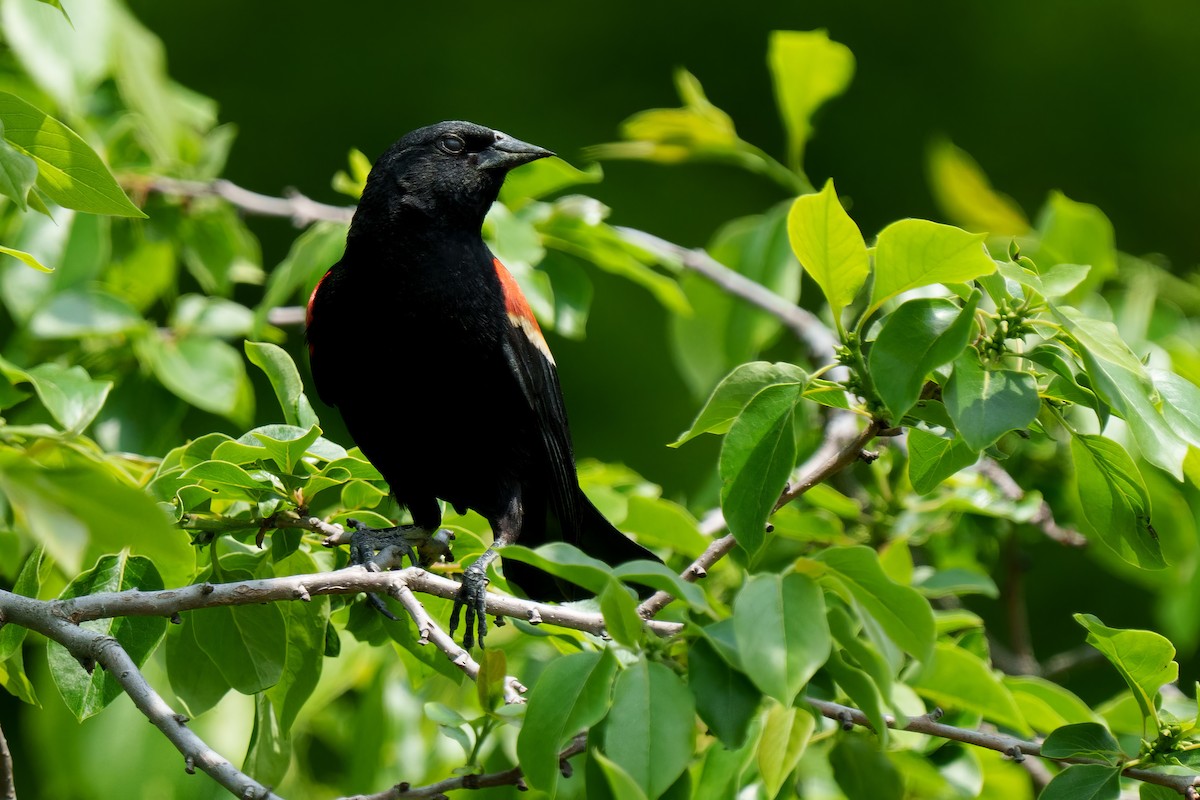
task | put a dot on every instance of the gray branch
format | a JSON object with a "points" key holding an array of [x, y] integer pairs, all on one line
{"points": [[93, 647], [1002, 743], [8, 785]]}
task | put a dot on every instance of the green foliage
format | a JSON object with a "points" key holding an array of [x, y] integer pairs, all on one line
{"points": [[138, 450]]}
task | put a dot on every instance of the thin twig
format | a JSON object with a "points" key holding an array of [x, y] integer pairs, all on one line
{"points": [[94, 647], [805, 325], [834, 455], [8, 781], [301, 210], [1043, 519], [509, 777], [1000, 742]]}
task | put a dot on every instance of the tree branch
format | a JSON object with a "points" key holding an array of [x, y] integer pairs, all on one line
{"points": [[91, 646], [8, 784], [300, 209], [509, 777], [1043, 520], [1002, 743]]}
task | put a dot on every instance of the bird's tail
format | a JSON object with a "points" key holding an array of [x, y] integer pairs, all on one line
{"points": [[597, 537]]}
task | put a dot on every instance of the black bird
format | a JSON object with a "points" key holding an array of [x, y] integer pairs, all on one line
{"points": [[469, 408]]}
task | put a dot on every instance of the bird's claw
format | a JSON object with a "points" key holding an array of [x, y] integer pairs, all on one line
{"points": [[382, 548], [472, 595]]}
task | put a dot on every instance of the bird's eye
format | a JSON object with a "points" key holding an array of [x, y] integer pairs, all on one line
{"points": [[451, 144]]}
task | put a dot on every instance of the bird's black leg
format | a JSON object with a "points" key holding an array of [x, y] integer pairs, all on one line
{"points": [[472, 595]]}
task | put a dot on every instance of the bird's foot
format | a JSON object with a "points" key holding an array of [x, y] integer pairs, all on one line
{"points": [[383, 548], [472, 596]]}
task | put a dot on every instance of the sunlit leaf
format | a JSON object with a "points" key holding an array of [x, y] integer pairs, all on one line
{"points": [[780, 620], [69, 172], [966, 195], [1145, 660], [650, 729], [913, 253], [829, 246], [807, 69]]}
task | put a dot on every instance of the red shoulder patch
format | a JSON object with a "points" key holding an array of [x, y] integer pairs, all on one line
{"points": [[519, 312], [308, 312]]}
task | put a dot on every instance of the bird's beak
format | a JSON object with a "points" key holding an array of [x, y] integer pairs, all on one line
{"points": [[507, 153]]}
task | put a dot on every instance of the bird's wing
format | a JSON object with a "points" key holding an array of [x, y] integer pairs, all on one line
{"points": [[532, 364], [318, 358]]}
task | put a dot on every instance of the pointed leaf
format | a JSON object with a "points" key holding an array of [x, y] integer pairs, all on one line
{"points": [[88, 693], [69, 172], [726, 700], [1114, 500], [933, 458], [734, 392], [1144, 658], [918, 337], [757, 457], [829, 245], [779, 622], [985, 403], [807, 69], [913, 253], [571, 695], [786, 733], [955, 678], [651, 728], [285, 380], [901, 611]]}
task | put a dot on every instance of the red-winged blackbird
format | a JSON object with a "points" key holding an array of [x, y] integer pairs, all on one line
{"points": [[424, 342]]}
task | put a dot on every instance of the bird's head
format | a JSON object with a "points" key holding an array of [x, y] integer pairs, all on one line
{"points": [[449, 173]]}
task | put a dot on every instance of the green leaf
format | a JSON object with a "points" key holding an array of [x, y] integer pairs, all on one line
{"points": [[68, 393], [21, 255], [69, 172], [901, 611], [733, 393], [658, 522], [81, 312], [621, 618], [285, 380], [87, 693], [757, 457], [269, 752], [779, 623], [1144, 658], [306, 625], [862, 772], [1181, 404], [1118, 377], [1114, 500], [829, 246], [986, 403], [1076, 233], [957, 679], [650, 729], [489, 683], [1084, 782], [206, 372], [247, 643], [17, 173], [786, 733], [564, 561], [14, 680], [1045, 704], [571, 695], [545, 177], [726, 700], [917, 338], [28, 584], [80, 513], [659, 576], [807, 69], [966, 195], [620, 782], [913, 253], [933, 458], [194, 676], [1083, 740], [862, 690]]}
